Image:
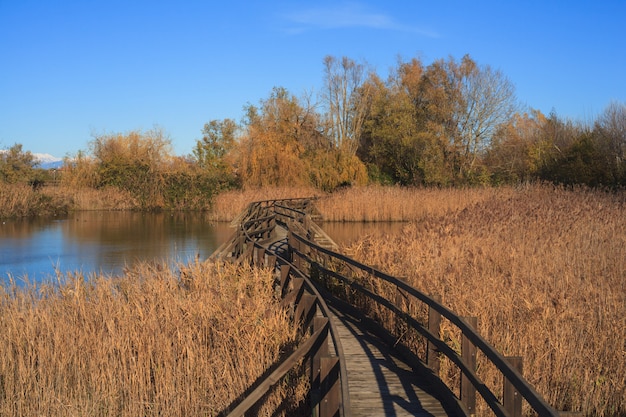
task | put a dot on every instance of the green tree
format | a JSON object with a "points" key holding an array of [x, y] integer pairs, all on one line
{"points": [[465, 103], [211, 152], [17, 165]]}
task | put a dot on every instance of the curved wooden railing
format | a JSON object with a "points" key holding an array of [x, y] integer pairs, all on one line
{"points": [[368, 290], [319, 344]]}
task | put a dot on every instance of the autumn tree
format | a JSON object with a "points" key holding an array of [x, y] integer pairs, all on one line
{"points": [[610, 133], [519, 149], [269, 152], [394, 142], [345, 100], [465, 103], [285, 144]]}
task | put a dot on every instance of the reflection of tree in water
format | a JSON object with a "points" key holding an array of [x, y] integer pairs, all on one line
{"points": [[104, 242], [129, 236]]}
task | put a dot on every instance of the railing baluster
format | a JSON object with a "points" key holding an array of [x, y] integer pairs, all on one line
{"points": [[511, 399], [468, 352], [434, 327]]}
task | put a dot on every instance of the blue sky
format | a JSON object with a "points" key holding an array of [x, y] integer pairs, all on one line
{"points": [[73, 69]]}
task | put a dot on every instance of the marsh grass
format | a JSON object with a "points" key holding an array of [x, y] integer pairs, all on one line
{"points": [[543, 269], [399, 204], [227, 205], [151, 342], [20, 200]]}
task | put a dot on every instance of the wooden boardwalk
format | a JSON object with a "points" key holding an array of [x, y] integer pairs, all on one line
{"points": [[370, 371], [380, 383]]}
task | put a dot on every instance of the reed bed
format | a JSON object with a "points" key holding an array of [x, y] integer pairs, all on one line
{"points": [[107, 198], [399, 204], [543, 269], [229, 204], [151, 342], [20, 200]]}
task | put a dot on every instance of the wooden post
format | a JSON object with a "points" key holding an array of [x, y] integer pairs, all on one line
{"points": [[285, 270], [511, 399], [468, 353], [240, 246], [315, 364], [259, 256], [434, 327], [330, 386], [270, 261]]}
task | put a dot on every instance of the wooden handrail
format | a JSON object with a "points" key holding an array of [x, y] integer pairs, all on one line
{"points": [[243, 244], [536, 402], [261, 218]]}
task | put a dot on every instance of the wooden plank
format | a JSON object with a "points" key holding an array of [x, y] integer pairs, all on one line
{"points": [[380, 383]]}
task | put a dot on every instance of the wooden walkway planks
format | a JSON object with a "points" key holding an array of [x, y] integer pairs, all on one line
{"points": [[380, 383]]}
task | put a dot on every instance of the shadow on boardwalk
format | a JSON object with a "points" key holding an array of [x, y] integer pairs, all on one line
{"points": [[380, 381]]}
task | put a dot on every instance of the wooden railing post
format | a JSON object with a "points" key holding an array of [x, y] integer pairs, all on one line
{"points": [[259, 256], [316, 364], [511, 399], [468, 353], [434, 327], [285, 270], [270, 260], [330, 387]]}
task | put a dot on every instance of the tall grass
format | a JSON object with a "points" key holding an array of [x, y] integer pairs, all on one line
{"points": [[20, 200], [379, 203], [151, 342], [543, 269], [229, 204]]}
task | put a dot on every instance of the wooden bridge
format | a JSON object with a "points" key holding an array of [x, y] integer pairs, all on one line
{"points": [[372, 343]]}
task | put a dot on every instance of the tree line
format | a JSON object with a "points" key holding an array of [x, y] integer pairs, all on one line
{"points": [[452, 122]]}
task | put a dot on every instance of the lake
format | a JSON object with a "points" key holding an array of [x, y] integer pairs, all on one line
{"points": [[106, 242]]}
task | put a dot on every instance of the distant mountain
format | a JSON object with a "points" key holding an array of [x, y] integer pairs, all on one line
{"points": [[44, 160], [47, 161]]}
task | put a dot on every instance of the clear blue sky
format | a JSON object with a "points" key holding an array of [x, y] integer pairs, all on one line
{"points": [[71, 69]]}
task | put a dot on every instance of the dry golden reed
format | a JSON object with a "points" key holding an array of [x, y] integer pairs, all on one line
{"points": [[20, 200], [229, 204], [151, 342], [379, 203], [543, 269]]}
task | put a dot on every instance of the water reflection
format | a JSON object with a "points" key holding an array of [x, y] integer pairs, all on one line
{"points": [[104, 242]]}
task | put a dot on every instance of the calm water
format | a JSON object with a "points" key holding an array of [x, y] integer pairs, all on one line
{"points": [[103, 242], [106, 242]]}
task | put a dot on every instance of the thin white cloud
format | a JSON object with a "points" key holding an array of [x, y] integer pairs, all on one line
{"points": [[348, 15]]}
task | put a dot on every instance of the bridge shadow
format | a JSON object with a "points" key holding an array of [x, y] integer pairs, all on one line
{"points": [[383, 381]]}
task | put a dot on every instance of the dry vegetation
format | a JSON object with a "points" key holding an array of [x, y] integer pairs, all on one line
{"points": [[360, 204], [227, 205], [542, 268], [152, 342], [21, 200], [391, 204]]}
